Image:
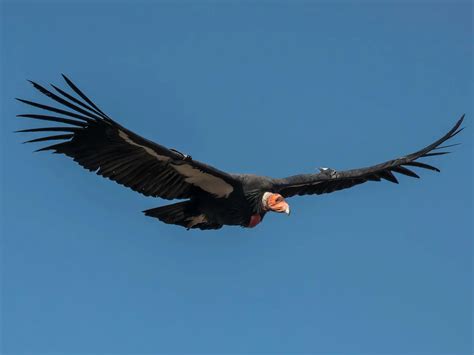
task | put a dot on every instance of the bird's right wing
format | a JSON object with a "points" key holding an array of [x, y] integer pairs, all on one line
{"points": [[330, 180], [100, 144]]}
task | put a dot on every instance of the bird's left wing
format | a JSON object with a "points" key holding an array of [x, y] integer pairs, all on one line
{"points": [[100, 144], [329, 180]]}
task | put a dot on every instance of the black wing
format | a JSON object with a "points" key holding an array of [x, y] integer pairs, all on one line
{"points": [[330, 180], [100, 144]]}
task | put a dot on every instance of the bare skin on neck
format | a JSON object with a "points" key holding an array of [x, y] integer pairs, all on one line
{"points": [[270, 202]]}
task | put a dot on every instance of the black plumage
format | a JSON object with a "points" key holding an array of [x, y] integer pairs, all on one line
{"points": [[213, 198]]}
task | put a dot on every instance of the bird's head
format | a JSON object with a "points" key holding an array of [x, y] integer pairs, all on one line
{"points": [[275, 202]]}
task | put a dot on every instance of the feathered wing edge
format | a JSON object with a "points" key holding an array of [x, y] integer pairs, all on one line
{"points": [[86, 113], [331, 180], [102, 145]]}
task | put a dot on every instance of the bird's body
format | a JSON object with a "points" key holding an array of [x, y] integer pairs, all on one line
{"points": [[242, 207], [211, 198]]}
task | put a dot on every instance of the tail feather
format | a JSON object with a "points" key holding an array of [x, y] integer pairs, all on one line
{"points": [[171, 213], [185, 214]]}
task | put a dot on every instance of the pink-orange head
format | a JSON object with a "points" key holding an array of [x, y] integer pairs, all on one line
{"points": [[276, 203]]}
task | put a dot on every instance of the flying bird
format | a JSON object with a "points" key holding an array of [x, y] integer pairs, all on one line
{"points": [[212, 198]]}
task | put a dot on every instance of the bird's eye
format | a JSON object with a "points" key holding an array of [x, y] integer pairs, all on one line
{"points": [[279, 199]]}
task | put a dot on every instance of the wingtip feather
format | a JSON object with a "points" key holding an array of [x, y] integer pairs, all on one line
{"points": [[434, 154]]}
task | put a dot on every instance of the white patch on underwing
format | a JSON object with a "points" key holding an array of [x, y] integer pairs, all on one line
{"points": [[205, 181], [196, 220], [150, 151]]}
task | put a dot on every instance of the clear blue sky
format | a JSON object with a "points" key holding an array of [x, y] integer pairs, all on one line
{"points": [[379, 268]]}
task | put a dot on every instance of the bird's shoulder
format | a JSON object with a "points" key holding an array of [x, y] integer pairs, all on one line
{"points": [[254, 182]]}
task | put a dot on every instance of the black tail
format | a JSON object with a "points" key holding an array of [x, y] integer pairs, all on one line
{"points": [[184, 214]]}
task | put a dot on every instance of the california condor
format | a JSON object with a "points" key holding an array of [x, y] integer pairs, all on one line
{"points": [[213, 198]]}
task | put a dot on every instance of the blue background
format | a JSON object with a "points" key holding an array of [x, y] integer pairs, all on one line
{"points": [[273, 88]]}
